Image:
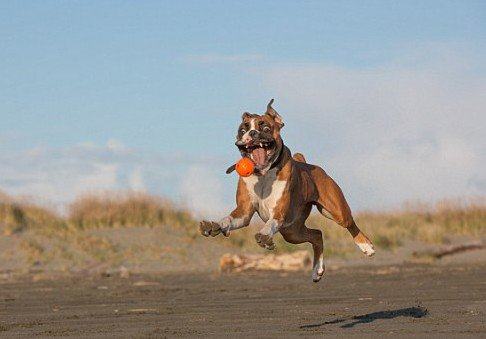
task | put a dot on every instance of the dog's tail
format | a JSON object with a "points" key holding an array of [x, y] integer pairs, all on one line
{"points": [[299, 157]]}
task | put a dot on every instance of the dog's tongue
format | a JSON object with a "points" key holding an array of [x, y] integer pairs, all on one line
{"points": [[259, 156]]}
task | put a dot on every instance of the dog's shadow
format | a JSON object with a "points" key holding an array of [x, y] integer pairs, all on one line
{"points": [[411, 312]]}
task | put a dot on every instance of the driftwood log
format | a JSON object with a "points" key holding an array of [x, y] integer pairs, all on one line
{"points": [[296, 261], [451, 249]]}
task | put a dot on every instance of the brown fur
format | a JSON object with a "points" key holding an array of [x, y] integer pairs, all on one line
{"points": [[243, 203]]}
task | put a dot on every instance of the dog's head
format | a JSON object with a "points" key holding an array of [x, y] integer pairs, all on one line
{"points": [[259, 138]]}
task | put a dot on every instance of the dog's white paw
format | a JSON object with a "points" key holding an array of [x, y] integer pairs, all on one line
{"points": [[318, 270], [366, 248]]}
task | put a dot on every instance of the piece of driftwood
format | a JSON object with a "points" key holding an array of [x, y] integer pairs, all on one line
{"points": [[295, 261], [451, 249]]}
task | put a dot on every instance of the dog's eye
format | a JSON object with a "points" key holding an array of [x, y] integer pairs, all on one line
{"points": [[266, 129], [242, 131]]}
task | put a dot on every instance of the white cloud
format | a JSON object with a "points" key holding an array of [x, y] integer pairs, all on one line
{"points": [[401, 131], [99, 177], [202, 191], [136, 181], [55, 176]]}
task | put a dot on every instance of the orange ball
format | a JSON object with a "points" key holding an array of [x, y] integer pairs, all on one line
{"points": [[245, 167]]}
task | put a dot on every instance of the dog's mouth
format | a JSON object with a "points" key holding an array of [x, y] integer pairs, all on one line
{"points": [[261, 152]]}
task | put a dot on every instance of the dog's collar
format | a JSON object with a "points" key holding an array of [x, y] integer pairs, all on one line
{"points": [[279, 158]]}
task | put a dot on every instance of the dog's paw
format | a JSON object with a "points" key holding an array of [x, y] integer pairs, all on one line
{"points": [[318, 270], [364, 244], [367, 248], [265, 241], [317, 275], [209, 228]]}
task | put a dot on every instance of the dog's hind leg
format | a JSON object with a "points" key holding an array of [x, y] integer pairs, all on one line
{"points": [[298, 234], [331, 200]]}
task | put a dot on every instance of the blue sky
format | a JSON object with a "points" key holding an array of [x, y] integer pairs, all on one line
{"points": [[147, 95]]}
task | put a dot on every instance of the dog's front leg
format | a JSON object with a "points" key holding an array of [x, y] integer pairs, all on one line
{"points": [[231, 222], [264, 237], [238, 218]]}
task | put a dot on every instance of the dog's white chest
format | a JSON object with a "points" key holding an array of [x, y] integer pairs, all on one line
{"points": [[265, 192]]}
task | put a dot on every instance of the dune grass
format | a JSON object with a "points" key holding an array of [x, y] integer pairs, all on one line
{"points": [[125, 209], [427, 223], [47, 236], [21, 215], [109, 209], [437, 224]]}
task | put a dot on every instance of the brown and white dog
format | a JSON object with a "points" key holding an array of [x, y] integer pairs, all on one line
{"points": [[282, 191]]}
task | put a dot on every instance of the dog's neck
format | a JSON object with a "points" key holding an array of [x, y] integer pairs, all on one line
{"points": [[279, 162]]}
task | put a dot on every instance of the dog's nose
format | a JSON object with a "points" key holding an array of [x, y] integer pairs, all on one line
{"points": [[253, 133]]}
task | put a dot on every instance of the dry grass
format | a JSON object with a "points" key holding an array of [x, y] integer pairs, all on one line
{"points": [[17, 216], [109, 209], [427, 223], [435, 224], [68, 239], [46, 236], [126, 209]]}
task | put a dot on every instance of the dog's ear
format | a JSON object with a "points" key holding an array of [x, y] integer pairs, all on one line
{"points": [[231, 169], [245, 116], [274, 115]]}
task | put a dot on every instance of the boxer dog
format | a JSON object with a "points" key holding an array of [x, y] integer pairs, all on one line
{"points": [[282, 190]]}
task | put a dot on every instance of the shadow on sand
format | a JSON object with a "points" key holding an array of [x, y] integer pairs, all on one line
{"points": [[411, 312]]}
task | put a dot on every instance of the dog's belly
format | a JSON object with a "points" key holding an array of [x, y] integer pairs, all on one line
{"points": [[265, 192]]}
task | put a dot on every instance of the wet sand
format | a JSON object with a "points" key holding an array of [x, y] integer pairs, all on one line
{"points": [[403, 300]]}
